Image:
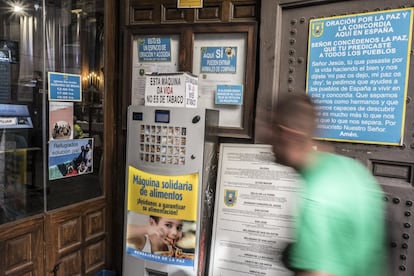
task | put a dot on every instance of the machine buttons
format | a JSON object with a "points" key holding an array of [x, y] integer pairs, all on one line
{"points": [[163, 144]]}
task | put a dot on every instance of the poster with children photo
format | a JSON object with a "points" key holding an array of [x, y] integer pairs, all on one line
{"points": [[60, 120], [70, 158], [150, 236]]}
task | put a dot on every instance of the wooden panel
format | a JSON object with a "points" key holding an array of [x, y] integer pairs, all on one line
{"points": [[170, 14], [209, 13], [94, 256], [69, 233], [71, 264], [21, 247], [94, 224], [75, 234], [166, 11], [18, 251], [244, 11], [30, 273], [142, 15], [144, 12], [110, 103]]}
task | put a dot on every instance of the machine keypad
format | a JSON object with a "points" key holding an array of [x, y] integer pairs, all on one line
{"points": [[163, 144]]}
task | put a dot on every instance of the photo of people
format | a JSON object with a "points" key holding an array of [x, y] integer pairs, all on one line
{"points": [[60, 120], [61, 130], [83, 163], [163, 236], [70, 158]]}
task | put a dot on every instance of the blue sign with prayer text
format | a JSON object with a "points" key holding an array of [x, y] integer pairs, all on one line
{"points": [[358, 75]]}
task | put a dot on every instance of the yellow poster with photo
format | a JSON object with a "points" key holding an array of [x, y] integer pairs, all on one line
{"points": [[172, 196]]}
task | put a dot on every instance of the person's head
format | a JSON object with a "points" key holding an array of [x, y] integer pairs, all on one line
{"points": [[295, 123], [172, 228]]}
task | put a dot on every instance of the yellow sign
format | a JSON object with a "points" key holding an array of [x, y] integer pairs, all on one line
{"points": [[163, 195], [189, 4]]}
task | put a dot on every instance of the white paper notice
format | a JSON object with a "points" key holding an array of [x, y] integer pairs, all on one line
{"points": [[254, 212]]}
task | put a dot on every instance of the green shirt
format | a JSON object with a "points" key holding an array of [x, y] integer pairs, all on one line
{"points": [[340, 226]]}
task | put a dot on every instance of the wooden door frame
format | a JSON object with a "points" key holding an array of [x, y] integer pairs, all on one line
{"points": [[112, 76]]}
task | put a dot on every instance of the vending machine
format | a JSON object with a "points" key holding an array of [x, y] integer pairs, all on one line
{"points": [[171, 172]]}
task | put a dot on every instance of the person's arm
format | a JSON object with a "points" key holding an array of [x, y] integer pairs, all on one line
{"points": [[136, 235]]}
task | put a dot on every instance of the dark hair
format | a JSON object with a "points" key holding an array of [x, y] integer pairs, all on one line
{"points": [[155, 218], [298, 112]]}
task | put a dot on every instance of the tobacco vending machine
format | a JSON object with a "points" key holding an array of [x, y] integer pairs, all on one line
{"points": [[171, 174]]}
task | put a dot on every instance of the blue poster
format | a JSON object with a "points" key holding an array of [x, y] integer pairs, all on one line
{"points": [[64, 87], [229, 94], [14, 116], [159, 258], [358, 75], [152, 49], [218, 60], [70, 158]]}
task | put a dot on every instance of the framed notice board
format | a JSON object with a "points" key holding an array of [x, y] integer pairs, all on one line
{"points": [[221, 56], [254, 212]]}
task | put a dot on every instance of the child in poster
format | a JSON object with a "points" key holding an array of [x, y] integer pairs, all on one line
{"points": [[162, 236], [161, 219]]}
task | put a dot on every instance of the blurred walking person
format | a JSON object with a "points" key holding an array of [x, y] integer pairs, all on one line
{"points": [[340, 227]]}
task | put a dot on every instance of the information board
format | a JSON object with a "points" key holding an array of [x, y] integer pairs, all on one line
{"points": [[254, 212], [171, 90], [229, 94], [15, 116], [152, 54], [152, 49], [64, 87], [358, 75], [218, 60]]}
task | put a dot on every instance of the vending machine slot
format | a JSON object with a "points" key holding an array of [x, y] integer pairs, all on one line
{"points": [[151, 272]]}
